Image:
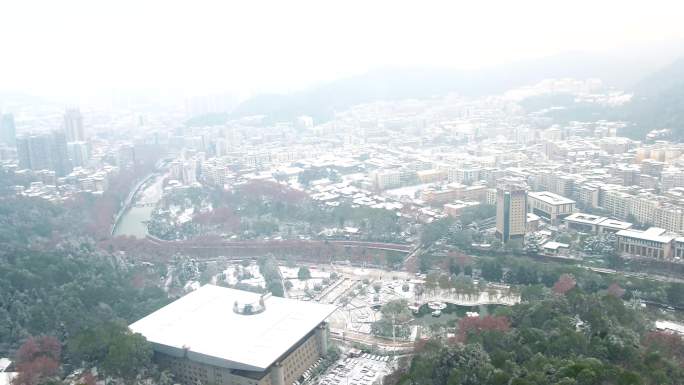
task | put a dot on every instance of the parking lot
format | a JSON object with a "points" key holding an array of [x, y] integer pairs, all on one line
{"points": [[365, 370]]}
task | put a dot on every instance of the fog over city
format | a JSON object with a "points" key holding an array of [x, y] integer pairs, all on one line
{"points": [[341, 193], [70, 48]]}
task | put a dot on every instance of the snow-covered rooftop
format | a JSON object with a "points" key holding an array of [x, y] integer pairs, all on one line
{"points": [[654, 234], [668, 325], [205, 324], [550, 198], [555, 245]]}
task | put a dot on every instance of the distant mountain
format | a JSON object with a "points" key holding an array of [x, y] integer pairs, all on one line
{"points": [[321, 102], [658, 102], [620, 69], [666, 77], [393, 84]]}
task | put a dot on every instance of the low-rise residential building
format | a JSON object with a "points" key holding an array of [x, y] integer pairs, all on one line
{"points": [[476, 193], [431, 176], [455, 191], [643, 206], [555, 248], [588, 195], [386, 179], [433, 196], [672, 177], [455, 209], [467, 174], [669, 216], [616, 202], [532, 224]]}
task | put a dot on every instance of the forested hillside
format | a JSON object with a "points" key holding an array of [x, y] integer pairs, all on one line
{"points": [[569, 338], [64, 291], [63, 301], [658, 102]]}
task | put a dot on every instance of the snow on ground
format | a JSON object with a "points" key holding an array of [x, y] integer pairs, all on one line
{"points": [[298, 285], [231, 277], [365, 370], [186, 216], [409, 191], [301, 289], [233, 272], [291, 272], [258, 281], [191, 286]]}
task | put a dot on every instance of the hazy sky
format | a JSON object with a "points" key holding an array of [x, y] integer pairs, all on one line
{"points": [[72, 47]]}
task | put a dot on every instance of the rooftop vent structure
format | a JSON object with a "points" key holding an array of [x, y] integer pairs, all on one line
{"points": [[250, 308]]}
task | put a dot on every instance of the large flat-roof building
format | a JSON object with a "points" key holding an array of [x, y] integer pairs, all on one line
{"points": [[550, 206], [589, 223], [225, 336], [653, 243]]}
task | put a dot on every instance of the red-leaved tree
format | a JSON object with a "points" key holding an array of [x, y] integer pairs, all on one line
{"points": [[469, 325], [461, 259], [88, 379], [565, 283], [615, 290], [37, 359], [670, 345]]}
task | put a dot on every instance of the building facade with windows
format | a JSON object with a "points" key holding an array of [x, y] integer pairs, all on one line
{"points": [[550, 206], [652, 243], [588, 223], [511, 212], [224, 336]]}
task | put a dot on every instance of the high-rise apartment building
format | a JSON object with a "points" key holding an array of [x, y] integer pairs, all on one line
{"points": [[511, 211], [34, 152], [60, 154], [23, 153], [79, 153], [73, 125], [46, 151], [8, 131]]}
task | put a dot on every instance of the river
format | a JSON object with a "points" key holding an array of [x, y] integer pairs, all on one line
{"points": [[134, 221]]}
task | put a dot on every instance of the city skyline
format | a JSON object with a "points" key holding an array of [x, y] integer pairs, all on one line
{"points": [[341, 193]]}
